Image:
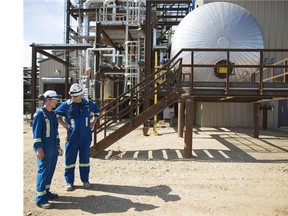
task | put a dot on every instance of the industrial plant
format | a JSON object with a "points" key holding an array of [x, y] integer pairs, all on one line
{"points": [[190, 62]]}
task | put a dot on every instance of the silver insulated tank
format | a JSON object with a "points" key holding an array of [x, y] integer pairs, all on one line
{"points": [[219, 25]]}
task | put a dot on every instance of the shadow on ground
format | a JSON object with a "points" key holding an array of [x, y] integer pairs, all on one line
{"points": [[113, 204]]}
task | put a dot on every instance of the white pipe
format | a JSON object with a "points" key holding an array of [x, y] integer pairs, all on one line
{"points": [[116, 55], [99, 49], [106, 4], [154, 37], [94, 1], [85, 23]]}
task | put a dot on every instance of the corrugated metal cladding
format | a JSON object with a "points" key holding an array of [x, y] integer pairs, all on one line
{"points": [[272, 17], [51, 69]]}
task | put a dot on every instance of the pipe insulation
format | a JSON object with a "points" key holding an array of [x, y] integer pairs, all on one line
{"points": [[219, 25]]}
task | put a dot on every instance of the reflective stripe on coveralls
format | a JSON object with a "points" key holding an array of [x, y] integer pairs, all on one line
{"points": [[37, 140], [47, 124], [69, 166], [41, 193], [84, 165]]}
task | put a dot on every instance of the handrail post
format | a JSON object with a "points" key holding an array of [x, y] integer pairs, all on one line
{"points": [[192, 72], [285, 70], [105, 127], [168, 77], [179, 74], [227, 73], [95, 133], [261, 73], [131, 103]]}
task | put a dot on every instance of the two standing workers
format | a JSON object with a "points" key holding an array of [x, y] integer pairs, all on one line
{"points": [[78, 116]]}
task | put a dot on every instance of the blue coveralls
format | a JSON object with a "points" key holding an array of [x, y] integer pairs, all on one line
{"points": [[45, 135], [79, 137]]}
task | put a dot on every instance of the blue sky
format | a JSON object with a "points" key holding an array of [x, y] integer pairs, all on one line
{"points": [[43, 22]]}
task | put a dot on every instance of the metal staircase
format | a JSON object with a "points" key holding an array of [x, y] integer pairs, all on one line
{"points": [[130, 104]]}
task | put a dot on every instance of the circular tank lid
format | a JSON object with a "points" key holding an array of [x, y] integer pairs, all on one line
{"points": [[223, 42]]}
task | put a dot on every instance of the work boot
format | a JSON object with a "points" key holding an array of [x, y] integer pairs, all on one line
{"points": [[69, 187], [52, 196], [86, 185], [45, 205]]}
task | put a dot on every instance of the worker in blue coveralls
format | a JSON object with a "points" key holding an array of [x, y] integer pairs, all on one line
{"points": [[46, 144], [78, 116]]}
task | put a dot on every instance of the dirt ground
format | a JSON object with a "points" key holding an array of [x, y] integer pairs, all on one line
{"points": [[230, 173]]}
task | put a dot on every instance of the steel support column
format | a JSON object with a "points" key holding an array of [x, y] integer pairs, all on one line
{"points": [[180, 117], [265, 118], [148, 51], [256, 120], [67, 67], [189, 127], [67, 53], [33, 81]]}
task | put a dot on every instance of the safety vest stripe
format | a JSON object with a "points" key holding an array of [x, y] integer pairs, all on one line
{"points": [[47, 123], [37, 140], [69, 166], [84, 165], [72, 123], [41, 193], [47, 127]]}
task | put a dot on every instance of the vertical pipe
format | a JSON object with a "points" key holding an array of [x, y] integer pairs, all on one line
{"points": [[154, 37], [102, 90], [256, 120], [189, 127], [127, 63], [67, 22], [180, 117], [97, 76], [155, 92], [85, 23]]}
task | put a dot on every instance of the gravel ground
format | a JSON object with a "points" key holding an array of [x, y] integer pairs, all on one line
{"points": [[230, 173]]}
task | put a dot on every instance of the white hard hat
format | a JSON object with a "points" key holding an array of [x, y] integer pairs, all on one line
{"points": [[51, 94], [76, 90]]}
